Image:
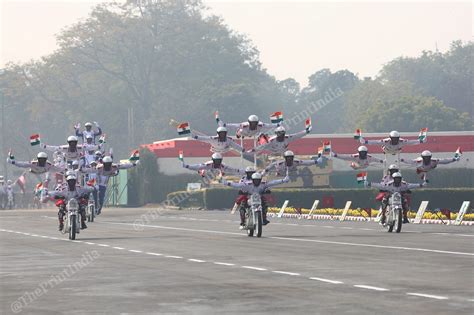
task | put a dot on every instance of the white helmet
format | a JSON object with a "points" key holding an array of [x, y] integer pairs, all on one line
{"points": [[253, 118], [426, 153], [88, 124], [362, 148], [75, 162], [249, 169], [280, 129], [72, 138], [394, 134], [257, 176], [107, 159], [71, 176], [393, 167], [9, 182], [216, 156], [42, 155], [397, 174], [221, 129], [98, 153], [288, 153]]}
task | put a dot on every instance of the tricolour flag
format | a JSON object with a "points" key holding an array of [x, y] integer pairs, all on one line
{"points": [[102, 139], [184, 128], [35, 139], [216, 115], [181, 156], [457, 154], [276, 117], [91, 182], [362, 177], [327, 146], [307, 123], [358, 134], [320, 150], [423, 133], [135, 156]]}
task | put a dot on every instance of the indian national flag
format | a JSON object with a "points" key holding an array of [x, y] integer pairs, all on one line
{"points": [[327, 146], [216, 114], [91, 182], [358, 134], [181, 156], [135, 156], [102, 138], [362, 177], [457, 154], [423, 133], [35, 139], [307, 123], [184, 128], [276, 117], [320, 150]]}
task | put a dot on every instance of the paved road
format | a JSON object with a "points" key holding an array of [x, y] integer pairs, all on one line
{"points": [[199, 262]]}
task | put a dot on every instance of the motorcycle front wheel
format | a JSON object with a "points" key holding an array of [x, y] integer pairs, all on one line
{"points": [[72, 227], [399, 220], [259, 224]]}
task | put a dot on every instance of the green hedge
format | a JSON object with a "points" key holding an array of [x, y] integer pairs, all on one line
{"points": [[223, 198]]}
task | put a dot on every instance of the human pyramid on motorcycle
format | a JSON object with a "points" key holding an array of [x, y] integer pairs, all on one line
{"points": [[81, 173]]}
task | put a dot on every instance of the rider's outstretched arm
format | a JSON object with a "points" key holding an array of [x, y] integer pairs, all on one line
{"points": [[234, 126], [20, 163], [373, 159], [235, 146], [276, 182], [411, 142], [298, 135], [409, 162], [195, 167], [124, 166], [51, 148], [371, 142], [233, 184], [447, 160]]}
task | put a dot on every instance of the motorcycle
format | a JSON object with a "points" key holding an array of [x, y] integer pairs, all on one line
{"points": [[253, 215], [394, 213], [72, 223]]}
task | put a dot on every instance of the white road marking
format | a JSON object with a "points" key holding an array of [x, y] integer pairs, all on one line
{"points": [[176, 257], [436, 297], [90, 243], [254, 268], [135, 251], [347, 228], [196, 260], [326, 280], [223, 263], [103, 245], [154, 254], [116, 247], [286, 273], [368, 287], [305, 240], [328, 226]]}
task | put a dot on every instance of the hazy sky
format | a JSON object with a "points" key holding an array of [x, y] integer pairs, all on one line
{"points": [[295, 38]]}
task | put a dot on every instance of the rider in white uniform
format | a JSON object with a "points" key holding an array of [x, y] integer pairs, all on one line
{"points": [[360, 160], [278, 144], [250, 128], [220, 143]]}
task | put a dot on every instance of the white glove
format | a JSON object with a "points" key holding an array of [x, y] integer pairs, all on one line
{"points": [[96, 124], [77, 126]]}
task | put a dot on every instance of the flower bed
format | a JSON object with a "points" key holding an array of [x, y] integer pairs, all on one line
{"points": [[363, 213]]}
